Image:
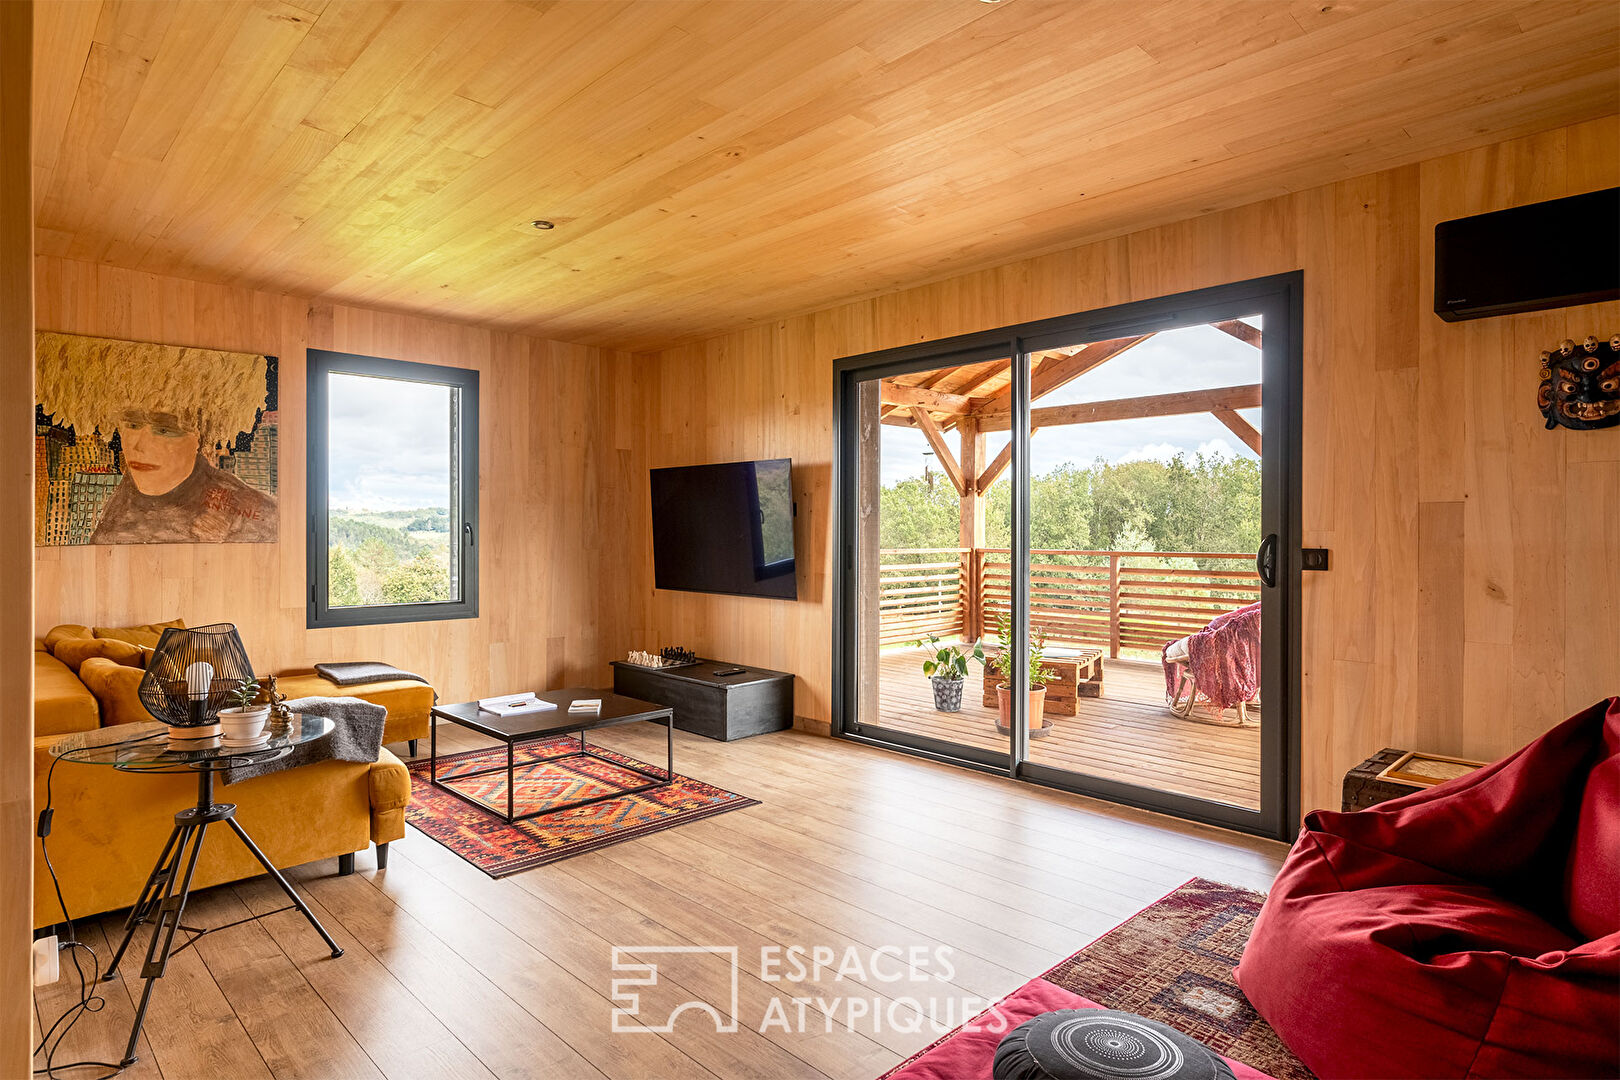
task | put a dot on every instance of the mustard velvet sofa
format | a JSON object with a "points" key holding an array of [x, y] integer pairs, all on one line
{"points": [[109, 826]]}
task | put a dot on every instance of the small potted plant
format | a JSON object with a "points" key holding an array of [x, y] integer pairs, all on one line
{"points": [[1002, 662], [947, 667], [245, 721]]}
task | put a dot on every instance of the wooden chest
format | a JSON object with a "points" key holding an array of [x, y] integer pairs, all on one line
{"points": [[1363, 788]]}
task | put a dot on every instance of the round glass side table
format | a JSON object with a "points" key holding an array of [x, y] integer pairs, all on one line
{"points": [[148, 748]]}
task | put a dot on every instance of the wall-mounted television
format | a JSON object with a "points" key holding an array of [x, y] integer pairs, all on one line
{"points": [[725, 528]]}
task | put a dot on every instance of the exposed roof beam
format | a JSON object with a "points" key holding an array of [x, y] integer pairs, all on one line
{"points": [[1240, 330], [1091, 412], [1239, 427], [891, 393], [1058, 371], [936, 439]]}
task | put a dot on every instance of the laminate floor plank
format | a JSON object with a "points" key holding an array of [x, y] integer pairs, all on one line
{"points": [[475, 1003], [289, 1023], [99, 1035], [397, 1032]]}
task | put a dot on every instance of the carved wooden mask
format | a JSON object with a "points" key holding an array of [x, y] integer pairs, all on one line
{"points": [[1580, 385]]}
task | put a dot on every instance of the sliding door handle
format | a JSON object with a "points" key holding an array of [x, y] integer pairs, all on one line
{"points": [[1265, 561]]}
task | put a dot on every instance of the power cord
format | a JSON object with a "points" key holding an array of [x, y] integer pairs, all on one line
{"points": [[89, 1001]]}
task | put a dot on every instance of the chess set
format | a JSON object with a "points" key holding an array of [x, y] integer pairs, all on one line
{"points": [[671, 657]]}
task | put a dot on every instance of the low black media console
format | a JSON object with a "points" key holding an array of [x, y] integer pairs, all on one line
{"points": [[707, 703]]}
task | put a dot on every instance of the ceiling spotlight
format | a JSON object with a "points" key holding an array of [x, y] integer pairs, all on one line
{"points": [[543, 225]]}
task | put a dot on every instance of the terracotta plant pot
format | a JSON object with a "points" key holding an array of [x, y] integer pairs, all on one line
{"points": [[1037, 706], [947, 693]]}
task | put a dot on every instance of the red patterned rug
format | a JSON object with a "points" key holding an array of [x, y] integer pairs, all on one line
{"points": [[1171, 962], [499, 849]]}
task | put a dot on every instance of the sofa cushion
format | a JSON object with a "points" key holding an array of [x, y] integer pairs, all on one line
{"points": [[145, 635], [117, 691], [1592, 879], [61, 702], [66, 631], [408, 702], [75, 651]]}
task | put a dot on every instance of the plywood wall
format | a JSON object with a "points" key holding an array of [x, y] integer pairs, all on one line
{"points": [[16, 540], [538, 466], [1473, 600]]}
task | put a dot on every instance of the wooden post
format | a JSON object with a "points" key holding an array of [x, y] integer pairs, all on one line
{"points": [[1113, 606], [971, 535], [17, 846]]}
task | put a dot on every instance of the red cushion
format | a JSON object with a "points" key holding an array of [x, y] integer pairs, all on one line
{"points": [[1592, 880], [1427, 937]]}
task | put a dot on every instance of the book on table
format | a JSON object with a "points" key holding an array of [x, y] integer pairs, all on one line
{"points": [[585, 705], [514, 704]]}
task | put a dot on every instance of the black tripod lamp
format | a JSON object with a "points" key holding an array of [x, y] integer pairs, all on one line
{"points": [[191, 677]]}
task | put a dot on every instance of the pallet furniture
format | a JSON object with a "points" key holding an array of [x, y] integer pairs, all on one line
{"points": [[1079, 674]]}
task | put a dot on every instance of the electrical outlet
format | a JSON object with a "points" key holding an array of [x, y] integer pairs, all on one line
{"points": [[47, 963]]}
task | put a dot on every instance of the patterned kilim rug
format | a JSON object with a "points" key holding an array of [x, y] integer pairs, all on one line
{"points": [[1171, 962], [499, 849]]}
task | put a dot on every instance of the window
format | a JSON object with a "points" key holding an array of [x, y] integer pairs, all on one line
{"points": [[393, 491]]}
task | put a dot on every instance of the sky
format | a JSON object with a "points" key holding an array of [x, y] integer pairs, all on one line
{"points": [[1191, 358], [389, 444]]}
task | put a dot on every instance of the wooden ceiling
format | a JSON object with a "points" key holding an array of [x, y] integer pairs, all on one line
{"points": [[712, 164]]}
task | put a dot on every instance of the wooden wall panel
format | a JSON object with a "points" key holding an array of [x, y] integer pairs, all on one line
{"points": [[538, 486], [1464, 612], [16, 540]]}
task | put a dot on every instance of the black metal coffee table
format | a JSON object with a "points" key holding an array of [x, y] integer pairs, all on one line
{"points": [[534, 726]]}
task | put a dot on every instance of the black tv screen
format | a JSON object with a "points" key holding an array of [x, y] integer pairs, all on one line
{"points": [[725, 528]]}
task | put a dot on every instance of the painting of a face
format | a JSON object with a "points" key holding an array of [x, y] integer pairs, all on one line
{"points": [[159, 452]]}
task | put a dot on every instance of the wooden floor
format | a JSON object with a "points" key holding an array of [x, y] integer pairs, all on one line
{"points": [[451, 974], [1126, 734]]}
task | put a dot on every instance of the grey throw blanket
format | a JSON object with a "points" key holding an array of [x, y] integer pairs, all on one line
{"points": [[355, 672], [356, 736]]}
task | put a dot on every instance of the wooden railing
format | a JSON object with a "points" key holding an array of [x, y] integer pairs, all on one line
{"points": [[922, 591], [1110, 599]]}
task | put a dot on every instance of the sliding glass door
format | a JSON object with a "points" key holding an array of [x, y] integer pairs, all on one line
{"points": [[916, 472], [1104, 507]]}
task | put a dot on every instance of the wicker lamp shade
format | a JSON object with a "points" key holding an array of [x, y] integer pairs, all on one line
{"points": [[191, 677]]}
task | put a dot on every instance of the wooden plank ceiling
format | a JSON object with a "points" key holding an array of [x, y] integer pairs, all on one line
{"points": [[712, 164]]}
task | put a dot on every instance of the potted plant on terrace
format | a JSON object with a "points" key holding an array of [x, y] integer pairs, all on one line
{"points": [[947, 667], [1002, 662]]}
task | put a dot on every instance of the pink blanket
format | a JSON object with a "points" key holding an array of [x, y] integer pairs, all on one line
{"points": [[1224, 657]]}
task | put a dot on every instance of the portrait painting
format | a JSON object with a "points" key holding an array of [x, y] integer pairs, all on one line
{"points": [[137, 443]]}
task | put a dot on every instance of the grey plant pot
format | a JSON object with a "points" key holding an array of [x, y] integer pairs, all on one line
{"points": [[947, 693]]}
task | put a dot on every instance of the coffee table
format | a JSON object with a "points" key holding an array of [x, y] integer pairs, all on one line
{"points": [[533, 726]]}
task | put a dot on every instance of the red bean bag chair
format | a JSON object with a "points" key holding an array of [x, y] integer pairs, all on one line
{"points": [[1469, 930]]}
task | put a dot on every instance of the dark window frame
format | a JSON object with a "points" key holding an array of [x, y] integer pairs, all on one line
{"points": [[321, 364]]}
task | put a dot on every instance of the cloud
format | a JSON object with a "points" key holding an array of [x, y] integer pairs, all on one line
{"points": [[389, 444], [1151, 452]]}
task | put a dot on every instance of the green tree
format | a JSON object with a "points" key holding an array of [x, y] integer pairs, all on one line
{"points": [[422, 580], [914, 514], [342, 584]]}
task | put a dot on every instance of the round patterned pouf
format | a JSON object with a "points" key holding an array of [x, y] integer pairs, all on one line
{"points": [[1101, 1044]]}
